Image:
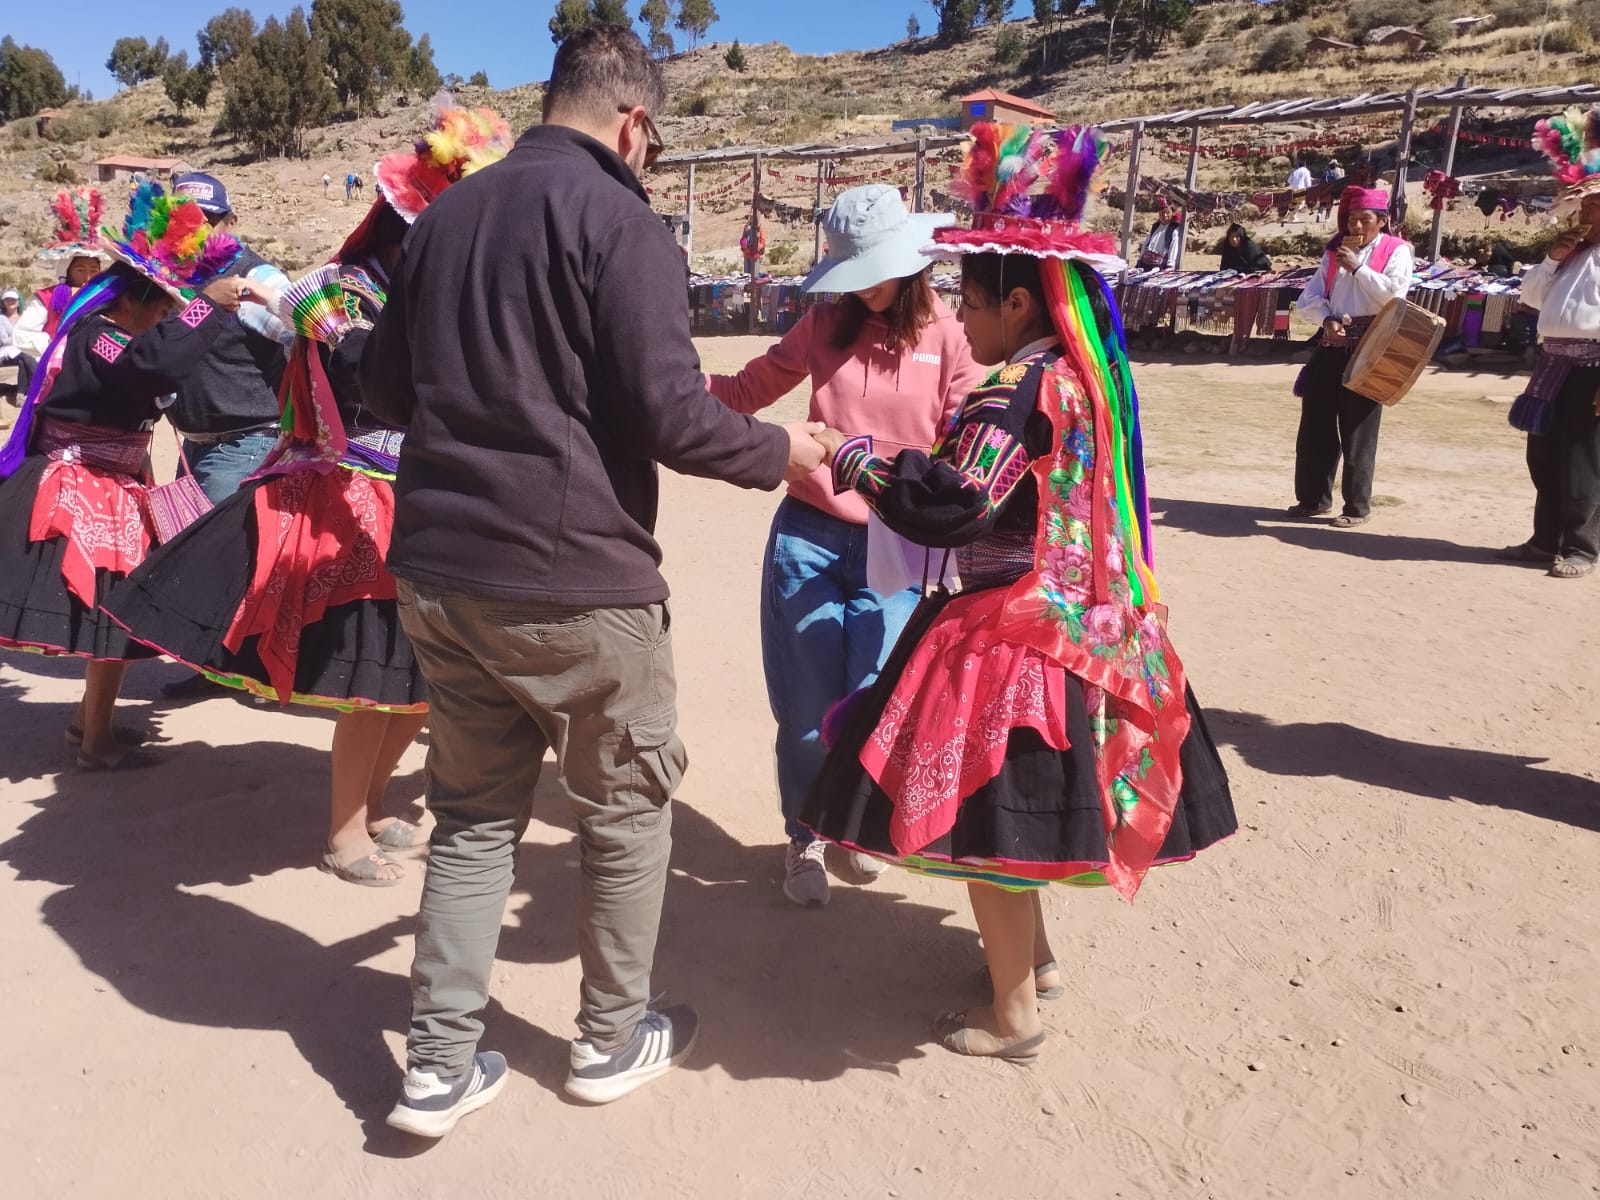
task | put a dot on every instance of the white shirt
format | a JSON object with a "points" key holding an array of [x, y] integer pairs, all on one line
{"points": [[1569, 300], [1300, 178], [1360, 295], [28, 333], [257, 317]]}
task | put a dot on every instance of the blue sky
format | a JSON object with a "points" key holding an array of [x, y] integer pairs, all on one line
{"points": [[504, 37]]}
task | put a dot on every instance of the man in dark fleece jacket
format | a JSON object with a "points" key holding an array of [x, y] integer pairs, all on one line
{"points": [[536, 347]]}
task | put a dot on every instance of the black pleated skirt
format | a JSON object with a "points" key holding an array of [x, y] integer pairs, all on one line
{"points": [[37, 610], [183, 600], [1042, 813]]}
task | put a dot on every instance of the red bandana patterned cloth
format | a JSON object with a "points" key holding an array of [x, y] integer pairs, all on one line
{"points": [[1001, 659], [92, 493], [321, 541]]}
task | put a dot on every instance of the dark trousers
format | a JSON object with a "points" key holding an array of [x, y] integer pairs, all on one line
{"points": [[1565, 468], [26, 365], [1335, 422]]}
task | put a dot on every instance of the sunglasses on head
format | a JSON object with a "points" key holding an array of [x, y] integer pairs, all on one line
{"points": [[654, 146]]}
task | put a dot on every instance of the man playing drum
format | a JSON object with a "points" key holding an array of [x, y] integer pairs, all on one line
{"points": [[1363, 269]]}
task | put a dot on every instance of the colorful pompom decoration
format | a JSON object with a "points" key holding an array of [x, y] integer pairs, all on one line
{"points": [[169, 239], [460, 142]]}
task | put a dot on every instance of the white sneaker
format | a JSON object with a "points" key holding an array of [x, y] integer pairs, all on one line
{"points": [[658, 1043], [430, 1106], [852, 866], [805, 877]]}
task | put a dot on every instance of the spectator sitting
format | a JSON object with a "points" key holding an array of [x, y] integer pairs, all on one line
{"points": [[1240, 252]]}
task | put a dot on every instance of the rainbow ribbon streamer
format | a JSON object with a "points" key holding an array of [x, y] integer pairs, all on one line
{"points": [[100, 291], [1121, 408]]}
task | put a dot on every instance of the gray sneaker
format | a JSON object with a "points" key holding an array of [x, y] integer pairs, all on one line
{"points": [[805, 877], [430, 1105], [659, 1042]]}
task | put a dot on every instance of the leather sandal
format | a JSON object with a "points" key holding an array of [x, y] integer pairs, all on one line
{"points": [[397, 835], [1572, 568], [1526, 552], [952, 1032], [1347, 521], [126, 735], [1302, 511], [1053, 992], [132, 758], [363, 872]]}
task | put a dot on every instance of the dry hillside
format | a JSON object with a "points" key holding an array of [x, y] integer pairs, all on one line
{"points": [[783, 97]]}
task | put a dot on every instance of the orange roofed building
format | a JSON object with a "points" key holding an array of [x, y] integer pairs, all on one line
{"points": [[990, 105]]}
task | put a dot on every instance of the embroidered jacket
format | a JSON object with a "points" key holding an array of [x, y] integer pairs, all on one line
{"points": [[111, 378], [964, 489]]}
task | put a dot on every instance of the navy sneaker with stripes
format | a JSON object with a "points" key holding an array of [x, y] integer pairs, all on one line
{"points": [[658, 1043], [430, 1105]]}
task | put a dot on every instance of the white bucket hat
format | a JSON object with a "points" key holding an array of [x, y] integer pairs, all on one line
{"points": [[872, 239]]}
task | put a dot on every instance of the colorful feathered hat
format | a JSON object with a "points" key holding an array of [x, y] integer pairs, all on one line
{"points": [[459, 142], [77, 231], [1030, 190], [1571, 141], [169, 239]]}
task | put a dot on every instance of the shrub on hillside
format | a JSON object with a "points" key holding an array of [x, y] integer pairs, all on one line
{"points": [[1283, 47], [1438, 30], [1194, 32], [101, 120], [1220, 56], [697, 104], [1249, 20], [1368, 15], [61, 172], [1009, 46], [1586, 15], [1569, 37], [1510, 14]]}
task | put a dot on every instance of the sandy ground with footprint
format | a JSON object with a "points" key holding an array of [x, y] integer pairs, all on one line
{"points": [[1384, 986]]}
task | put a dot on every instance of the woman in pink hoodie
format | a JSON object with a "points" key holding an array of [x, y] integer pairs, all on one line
{"points": [[886, 358]]}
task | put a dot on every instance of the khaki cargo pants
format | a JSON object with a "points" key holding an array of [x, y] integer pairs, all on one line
{"points": [[506, 681]]}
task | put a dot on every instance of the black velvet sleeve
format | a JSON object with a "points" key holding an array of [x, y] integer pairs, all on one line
{"points": [[343, 362], [965, 488]]}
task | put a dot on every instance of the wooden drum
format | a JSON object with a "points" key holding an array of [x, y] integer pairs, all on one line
{"points": [[1398, 344]]}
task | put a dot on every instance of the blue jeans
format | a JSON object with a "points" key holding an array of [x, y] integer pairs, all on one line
{"points": [[220, 467], [824, 633]]}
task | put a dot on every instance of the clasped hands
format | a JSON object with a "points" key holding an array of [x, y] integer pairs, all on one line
{"points": [[811, 444]]}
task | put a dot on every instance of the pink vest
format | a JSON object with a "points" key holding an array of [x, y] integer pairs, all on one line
{"points": [[1382, 251]]}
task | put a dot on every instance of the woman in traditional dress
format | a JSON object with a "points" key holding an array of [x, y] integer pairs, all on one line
{"points": [[1363, 269], [282, 590], [1560, 412], [886, 357], [74, 508], [76, 239], [1034, 727]]}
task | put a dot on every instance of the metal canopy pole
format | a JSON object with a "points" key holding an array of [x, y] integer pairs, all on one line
{"points": [[1397, 203], [816, 216], [1188, 200], [688, 218], [918, 196], [1436, 237], [755, 227], [1133, 187]]}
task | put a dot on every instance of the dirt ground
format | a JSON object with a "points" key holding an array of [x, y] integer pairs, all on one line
{"points": [[1384, 986]]}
